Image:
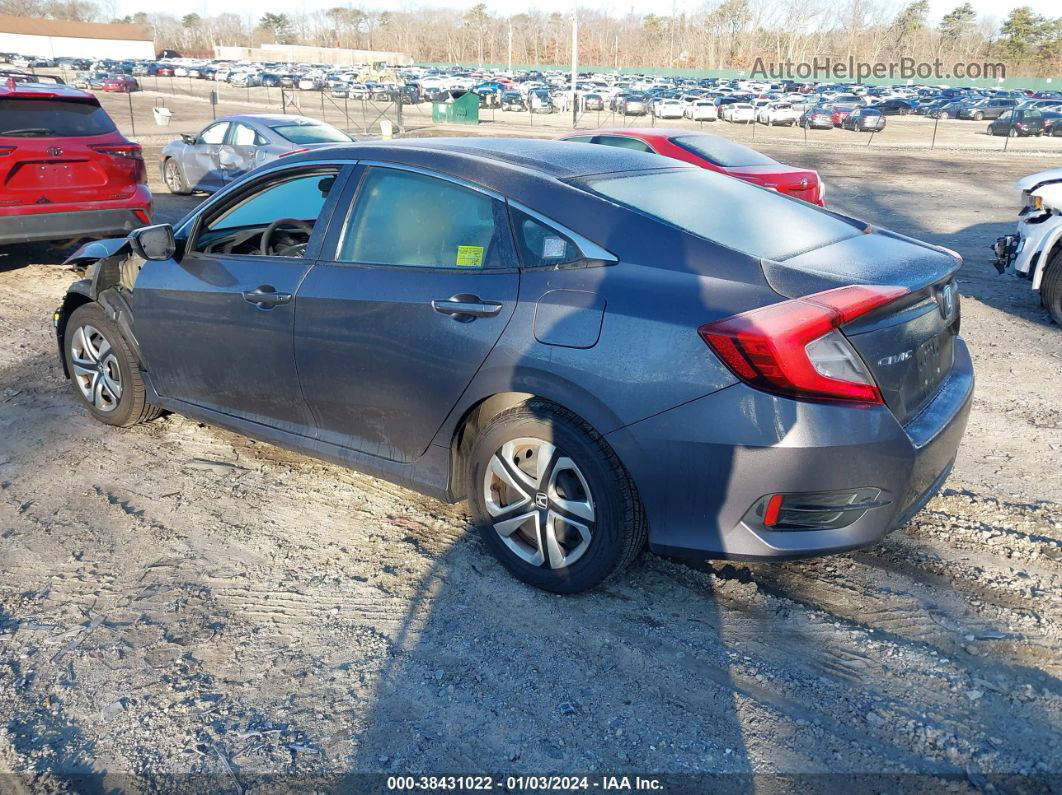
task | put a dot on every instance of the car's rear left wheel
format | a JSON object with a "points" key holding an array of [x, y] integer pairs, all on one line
{"points": [[104, 370], [553, 502]]}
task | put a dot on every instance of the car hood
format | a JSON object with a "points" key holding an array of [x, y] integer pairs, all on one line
{"points": [[98, 249], [1034, 181]]}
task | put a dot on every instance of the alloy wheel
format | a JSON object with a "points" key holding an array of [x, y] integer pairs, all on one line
{"points": [[96, 370], [173, 176], [539, 503]]}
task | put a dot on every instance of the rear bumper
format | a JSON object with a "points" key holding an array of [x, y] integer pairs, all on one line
{"points": [[76, 222], [699, 467]]}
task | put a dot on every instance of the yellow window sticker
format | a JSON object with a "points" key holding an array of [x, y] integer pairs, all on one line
{"points": [[470, 256]]}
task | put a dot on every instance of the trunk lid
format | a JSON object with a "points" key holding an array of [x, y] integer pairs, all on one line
{"points": [[800, 183], [909, 344]]}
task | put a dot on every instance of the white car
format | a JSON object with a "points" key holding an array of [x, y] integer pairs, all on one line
{"points": [[308, 84], [778, 113], [739, 112], [1028, 254], [668, 109], [702, 110]]}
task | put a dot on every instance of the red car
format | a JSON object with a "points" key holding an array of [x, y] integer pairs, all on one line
{"points": [[165, 70], [65, 171], [840, 113], [124, 84], [714, 153]]}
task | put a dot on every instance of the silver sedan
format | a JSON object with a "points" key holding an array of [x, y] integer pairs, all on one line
{"points": [[229, 147]]}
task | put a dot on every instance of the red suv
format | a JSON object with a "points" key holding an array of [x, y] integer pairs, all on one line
{"points": [[65, 170]]}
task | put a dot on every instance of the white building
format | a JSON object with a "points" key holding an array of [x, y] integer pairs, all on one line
{"points": [[56, 38]]}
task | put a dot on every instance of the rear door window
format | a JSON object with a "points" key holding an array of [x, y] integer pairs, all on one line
{"points": [[48, 118], [411, 219]]}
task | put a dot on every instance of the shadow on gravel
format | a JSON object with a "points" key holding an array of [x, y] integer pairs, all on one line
{"points": [[893, 208]]}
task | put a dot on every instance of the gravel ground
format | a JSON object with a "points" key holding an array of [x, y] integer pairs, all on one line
{"points": [[177, 600]]}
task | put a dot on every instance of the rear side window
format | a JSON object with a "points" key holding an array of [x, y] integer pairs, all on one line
{"points": [[404, 218], [47, 118], [311, 134], [622, 143], [727, 211], [541, 245]]}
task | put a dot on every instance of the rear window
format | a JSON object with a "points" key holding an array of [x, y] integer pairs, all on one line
{"points": [[727, 211], [52, 118], [311, 134], [721, 151]]}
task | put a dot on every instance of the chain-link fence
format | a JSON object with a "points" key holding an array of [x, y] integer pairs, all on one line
{"points": [[191, 102]]}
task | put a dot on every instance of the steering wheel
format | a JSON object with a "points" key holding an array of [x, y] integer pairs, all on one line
{"points": [[267, 235]]}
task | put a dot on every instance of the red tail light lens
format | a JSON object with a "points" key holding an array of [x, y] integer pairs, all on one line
{"points": [[793, 348], [132, 151]]}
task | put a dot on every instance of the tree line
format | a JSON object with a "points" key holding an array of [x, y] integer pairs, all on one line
{"points": [[727, 34]]}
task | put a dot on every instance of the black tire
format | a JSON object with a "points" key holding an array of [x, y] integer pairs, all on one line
{"points": [[1012, 134], [131, 406], [619, 529], [978, 116], [173, 176], [1051, 287]]}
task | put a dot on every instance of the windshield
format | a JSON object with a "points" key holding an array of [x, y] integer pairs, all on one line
{"points": [[725, 210], [721, 151], [48, 118], [311, 134]]}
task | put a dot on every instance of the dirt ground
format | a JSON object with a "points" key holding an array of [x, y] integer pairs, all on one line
{"points": [[178, 600]]}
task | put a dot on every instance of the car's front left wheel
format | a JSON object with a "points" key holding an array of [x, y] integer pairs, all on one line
{"points": [[104, 370], [552, 500]]}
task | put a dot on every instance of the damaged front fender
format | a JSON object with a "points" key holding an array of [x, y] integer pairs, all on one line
{"points": [[97, 250]]}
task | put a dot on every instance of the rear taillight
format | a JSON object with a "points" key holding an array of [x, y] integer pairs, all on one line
{"points": [[132, 151], [794, 348]]}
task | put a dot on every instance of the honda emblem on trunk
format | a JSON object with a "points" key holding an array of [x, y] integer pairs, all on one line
{"points": [[54, 151], [803, 182], [946, 300]]}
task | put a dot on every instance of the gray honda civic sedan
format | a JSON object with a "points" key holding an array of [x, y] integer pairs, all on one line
{"points": [[599, 348], [230, 146]]}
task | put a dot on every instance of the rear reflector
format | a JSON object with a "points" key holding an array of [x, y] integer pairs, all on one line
{"points": [[793, 348], [818, 510]]}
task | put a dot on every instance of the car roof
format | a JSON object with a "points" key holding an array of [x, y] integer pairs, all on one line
{"points": [[492, 160], [45, 91], [270, 118]]}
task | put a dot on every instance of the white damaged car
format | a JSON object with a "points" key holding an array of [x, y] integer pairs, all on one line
{"points": [[1035, 252]]}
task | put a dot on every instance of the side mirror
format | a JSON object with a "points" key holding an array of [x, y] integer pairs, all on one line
{"points": [[188, 138], [153, 242]]}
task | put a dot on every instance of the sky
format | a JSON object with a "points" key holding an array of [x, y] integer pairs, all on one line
{"points": [[988, 8]]}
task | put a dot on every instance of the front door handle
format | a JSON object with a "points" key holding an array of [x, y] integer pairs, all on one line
{"points": [[466, 307], [266, 296]]}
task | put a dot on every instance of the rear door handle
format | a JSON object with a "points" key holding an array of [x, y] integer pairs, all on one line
{"points": [[466, 308], [266, 295]]}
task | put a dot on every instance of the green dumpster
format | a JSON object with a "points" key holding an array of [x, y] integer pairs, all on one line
{"points": [[463, 110]]}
